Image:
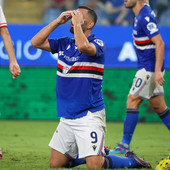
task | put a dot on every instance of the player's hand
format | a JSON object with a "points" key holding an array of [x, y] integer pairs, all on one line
{"points": [[14, 69], [64, 17], [77, 18], [159, 80]]}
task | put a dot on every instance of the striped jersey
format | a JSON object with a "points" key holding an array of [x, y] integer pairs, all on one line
{"points": [[2, 19], [79, 78], [144, 28]]}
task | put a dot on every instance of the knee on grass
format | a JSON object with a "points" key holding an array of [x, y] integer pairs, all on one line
{"points": [[56, 164], [95, 162]]}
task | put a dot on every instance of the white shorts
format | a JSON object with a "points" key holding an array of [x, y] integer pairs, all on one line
{"points": [[144, 85], [83, 136]]}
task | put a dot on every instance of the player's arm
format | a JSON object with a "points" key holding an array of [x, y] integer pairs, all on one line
{"points": [[157, 40], [13, 67], [40, 40], [83, 45]]}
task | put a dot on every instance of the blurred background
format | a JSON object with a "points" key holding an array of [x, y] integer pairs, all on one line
{"points": [[32, 95], [109, 11]]}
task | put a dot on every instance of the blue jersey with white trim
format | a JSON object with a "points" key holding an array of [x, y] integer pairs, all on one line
{"points": [[144, 28], [79, 78]]}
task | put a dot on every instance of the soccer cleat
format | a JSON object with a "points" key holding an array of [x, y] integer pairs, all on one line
{"points": [[141, 163], [119, 149]]}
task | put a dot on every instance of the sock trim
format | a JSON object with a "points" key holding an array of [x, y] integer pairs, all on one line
{"points": [[164, 113], [68, 156], [107, 163], [133, 111]]}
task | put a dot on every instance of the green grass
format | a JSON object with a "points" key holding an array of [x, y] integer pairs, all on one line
{"points": [[25, 143]]}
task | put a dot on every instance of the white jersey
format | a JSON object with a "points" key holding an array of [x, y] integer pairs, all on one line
{"points": [[3, 22]]}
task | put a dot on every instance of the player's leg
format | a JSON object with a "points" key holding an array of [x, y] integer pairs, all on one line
{"points": [[132, 112], [63, 147], [115, 162], [89, 133], [131, 120], [140, 90], [57, 159], [159, 106], [95, 162], [130, 161]]}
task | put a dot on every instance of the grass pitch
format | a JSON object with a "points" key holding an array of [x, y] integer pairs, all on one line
{"points": [[25, 143]]}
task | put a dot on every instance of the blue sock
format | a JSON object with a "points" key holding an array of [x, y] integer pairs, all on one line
{"points": [[130, 123], [75, 162], [165, 116], [116, 162]]}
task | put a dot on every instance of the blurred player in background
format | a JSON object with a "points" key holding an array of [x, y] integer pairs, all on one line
{"points": [[79, 97], [148, 82], [13, 67]]}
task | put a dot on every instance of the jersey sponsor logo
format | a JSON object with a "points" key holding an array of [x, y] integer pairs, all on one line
{"points": [[152, 27], [99, 42], [72, 59]]}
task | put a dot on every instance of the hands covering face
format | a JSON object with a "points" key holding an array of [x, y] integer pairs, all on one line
{"points": [[77, 17]]}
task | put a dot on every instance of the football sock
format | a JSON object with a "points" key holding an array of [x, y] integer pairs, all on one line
{"points": [[165, 116], [116, 162], [75, 162], [130, 123]]}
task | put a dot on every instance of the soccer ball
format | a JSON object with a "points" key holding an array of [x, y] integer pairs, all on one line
{"points": [[164, 164]]}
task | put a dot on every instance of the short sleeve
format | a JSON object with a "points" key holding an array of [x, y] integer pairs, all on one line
{"points": [[100, 47], [150, 26], [3, 22], [54, 45]]}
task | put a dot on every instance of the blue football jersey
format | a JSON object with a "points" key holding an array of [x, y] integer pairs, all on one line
{"points": [[145, 27], [79, 78]]}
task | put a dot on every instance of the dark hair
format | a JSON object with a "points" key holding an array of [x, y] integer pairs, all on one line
{"points": [[91, 12]]}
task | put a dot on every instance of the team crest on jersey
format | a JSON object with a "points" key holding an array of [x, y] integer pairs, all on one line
{"points": [[152, 27], [65, 69], [99, 42]]}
